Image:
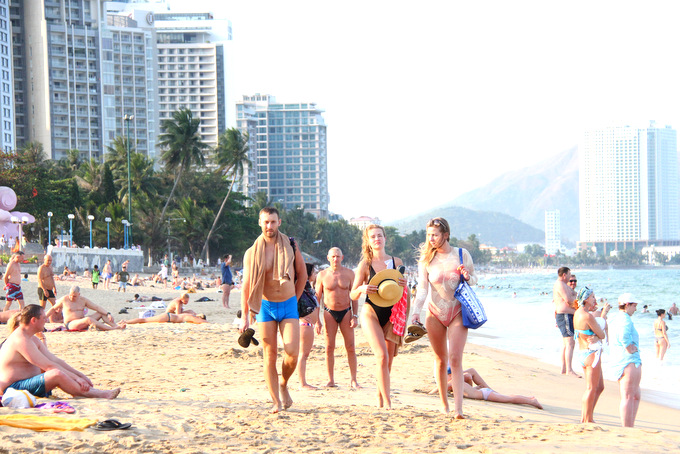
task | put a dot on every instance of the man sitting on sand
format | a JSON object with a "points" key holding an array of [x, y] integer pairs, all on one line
{"points": [[27, 364], [73, 306], [175, 313]]}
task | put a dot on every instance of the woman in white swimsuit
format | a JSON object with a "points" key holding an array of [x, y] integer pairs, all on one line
{"points": [[439, 271]]}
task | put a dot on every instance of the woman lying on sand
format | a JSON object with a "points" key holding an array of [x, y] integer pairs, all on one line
{"points": [[474, 387]]}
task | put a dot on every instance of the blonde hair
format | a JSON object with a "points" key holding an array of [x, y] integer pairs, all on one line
{"points": [[366, 250], [428, 251]]}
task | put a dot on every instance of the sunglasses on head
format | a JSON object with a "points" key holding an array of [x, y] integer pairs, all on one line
{"points": [[436, 222]]}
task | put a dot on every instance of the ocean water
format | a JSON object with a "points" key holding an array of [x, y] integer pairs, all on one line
{"points": [[525, 323]]}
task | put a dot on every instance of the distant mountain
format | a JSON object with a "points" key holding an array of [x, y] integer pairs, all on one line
{"points": [[495, 229], [525, 194]]}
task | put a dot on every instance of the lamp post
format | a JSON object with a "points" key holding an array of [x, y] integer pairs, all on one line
{"points": [[71, 217], [128, 119], [90, 218], [125, 224], [15, 220], [108, 237], [49, 228], [24, 221]]}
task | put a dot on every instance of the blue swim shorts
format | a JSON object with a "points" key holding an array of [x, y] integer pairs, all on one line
{"points": [[122, 284], [277, 312], [565, 322], [34, 385]]}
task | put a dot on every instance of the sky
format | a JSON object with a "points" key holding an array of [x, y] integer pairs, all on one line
{"points": [[427, 100]]}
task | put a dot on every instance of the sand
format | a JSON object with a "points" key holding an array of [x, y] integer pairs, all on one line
{"points": [[192, 388]]}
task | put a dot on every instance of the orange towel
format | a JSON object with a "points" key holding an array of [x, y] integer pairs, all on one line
{"points": [[46, 423], [284, 268]]}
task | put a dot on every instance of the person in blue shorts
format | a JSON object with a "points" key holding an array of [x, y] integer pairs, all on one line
{"points": [[227, 282], [274, 278], [27, 364]]}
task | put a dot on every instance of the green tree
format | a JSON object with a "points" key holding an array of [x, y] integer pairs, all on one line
{"points": [[231, 156], [182, 146]]}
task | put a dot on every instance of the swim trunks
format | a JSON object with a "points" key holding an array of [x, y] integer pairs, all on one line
{"points": [[13, 292], [34, 385], [122, 284], [337, 315], [107, 275], [277, 312], [42, 296], [565, 322]]}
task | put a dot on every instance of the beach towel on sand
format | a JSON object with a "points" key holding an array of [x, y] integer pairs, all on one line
{"points": [[284, 267], [46, 423]]}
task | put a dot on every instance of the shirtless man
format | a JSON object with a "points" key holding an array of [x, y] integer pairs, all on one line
{"points": [[73, 306], [673, 310], [47, 289], [274, 278], [332, 289], [107, 274], [563, 296], [27, 364], [175, 313], [176, 306], [12, 281]]}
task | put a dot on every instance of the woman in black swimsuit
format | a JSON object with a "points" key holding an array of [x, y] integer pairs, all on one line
{"points": [[375, 319]]}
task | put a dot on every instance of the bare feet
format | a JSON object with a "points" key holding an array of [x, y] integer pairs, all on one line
{"points": [[112, 394], [535, 403], [354, 385], [331, 384], [458, 416], [285, 396], [308, 386], [571, 372], [276, 408]]}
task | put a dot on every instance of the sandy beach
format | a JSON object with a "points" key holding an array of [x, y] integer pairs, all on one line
{"points": [[191, 388]]}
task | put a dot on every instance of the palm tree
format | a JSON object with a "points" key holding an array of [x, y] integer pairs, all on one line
{"points": [[182, 146], [231, 156], [196, 221], [32, 153]]}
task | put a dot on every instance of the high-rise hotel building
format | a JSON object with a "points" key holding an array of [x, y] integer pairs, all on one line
{"points": [[288, 151], [7, 126], [553, 231], [192, 69], [78, 72], [628, 188]]}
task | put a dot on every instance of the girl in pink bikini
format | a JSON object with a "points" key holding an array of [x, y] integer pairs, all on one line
{"points": [[440, 271]]}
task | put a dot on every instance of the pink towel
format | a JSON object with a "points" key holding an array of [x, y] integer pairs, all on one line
{"points": [[398, 317]]}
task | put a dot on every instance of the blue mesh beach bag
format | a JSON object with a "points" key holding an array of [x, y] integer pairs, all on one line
{"points": [[471, 308]]}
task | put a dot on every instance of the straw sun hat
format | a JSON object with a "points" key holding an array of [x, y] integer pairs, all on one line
{"points": [[389, 291]]}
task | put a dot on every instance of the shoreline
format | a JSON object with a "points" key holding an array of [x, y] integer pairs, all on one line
{"points": [[191, 388]]}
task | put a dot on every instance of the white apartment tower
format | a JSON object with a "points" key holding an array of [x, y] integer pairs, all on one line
{"points": [[192, 69], [128, 67], [7, 134], [62, 102], [79, 69], [288, 151], [628, 185], [553, 232]]}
